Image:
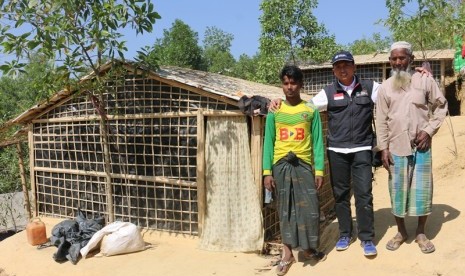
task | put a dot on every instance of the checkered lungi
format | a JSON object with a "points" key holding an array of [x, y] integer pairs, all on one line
{"points": [[411, 184], [298, 205]]}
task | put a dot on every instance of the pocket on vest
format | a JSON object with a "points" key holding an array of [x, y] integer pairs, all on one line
{"points": [[362, 100]]}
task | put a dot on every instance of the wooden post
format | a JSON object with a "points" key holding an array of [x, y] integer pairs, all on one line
{"points": [[443, 77], [384, 72], [22, 173], [32, 166], [106, 160], [256, 142], [201, 187]]}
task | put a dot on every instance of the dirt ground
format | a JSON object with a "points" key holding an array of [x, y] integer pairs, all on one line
{"points": [[173, 255]]}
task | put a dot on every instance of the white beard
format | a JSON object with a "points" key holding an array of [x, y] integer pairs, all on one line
{"points": [[401, 78]]}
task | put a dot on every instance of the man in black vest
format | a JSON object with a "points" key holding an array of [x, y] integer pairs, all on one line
{"points": [[349, 103]]}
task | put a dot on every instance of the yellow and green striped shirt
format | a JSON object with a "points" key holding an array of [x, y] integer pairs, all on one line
{"points": [[297, 129]]}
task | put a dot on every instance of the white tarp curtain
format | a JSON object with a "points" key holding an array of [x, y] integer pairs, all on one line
{"points": [[233, 220]]}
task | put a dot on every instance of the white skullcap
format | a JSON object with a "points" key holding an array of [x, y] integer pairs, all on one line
{"points": [[401, 45]]}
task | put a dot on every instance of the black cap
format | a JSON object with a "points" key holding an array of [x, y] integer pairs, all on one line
{"points": [[342, 55]]}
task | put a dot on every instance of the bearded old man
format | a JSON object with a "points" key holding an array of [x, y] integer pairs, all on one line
{"points": [[410, 109]]}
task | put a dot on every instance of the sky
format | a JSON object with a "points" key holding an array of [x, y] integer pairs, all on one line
{"points": [[347, 20]]}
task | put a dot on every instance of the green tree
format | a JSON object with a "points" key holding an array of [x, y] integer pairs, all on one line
{"points": [[246, 67], [9, 175], [431, 26], [372, 45], [178, 47], [290, 33], [77, 35], [8, 98], [217, 51], [17, 94], [218, 39]]}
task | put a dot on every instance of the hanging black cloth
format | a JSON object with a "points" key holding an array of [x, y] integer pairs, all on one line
{"points": [[254, 106]]}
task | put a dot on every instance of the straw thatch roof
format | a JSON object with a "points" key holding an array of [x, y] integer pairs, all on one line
{"points": [[226, 87], [384, 58], [219, 85]]}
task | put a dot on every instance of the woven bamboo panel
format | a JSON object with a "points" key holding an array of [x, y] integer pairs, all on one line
{"points": [[68, 145], [316, 79], [155, 205], [59, 194], [152, 138]]}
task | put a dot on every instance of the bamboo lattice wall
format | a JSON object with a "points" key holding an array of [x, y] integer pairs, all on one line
{"points": [[317, 79], [152, 137], [152, 130]]}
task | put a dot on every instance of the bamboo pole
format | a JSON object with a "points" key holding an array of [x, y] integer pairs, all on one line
{"points": [[35, 210], [201, 186], [106, 160], [159, 179], [216, 113], [22, 173], [11, 142], [256, 153], [384, 71], [443, 77]]}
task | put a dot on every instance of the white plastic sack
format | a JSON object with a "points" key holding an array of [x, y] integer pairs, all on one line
{"points": [[117, 238]]}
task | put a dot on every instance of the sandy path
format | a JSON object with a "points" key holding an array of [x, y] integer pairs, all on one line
{"points": [[178, 255]]}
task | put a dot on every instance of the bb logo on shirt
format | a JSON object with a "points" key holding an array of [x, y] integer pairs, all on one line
{"points": [[293, 134]]}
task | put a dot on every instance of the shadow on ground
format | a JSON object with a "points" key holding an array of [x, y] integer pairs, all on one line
{"points": [[441, 214]]}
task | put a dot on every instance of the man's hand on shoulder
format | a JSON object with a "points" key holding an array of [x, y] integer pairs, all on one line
{"points": [[425, 69], [275, 104]]}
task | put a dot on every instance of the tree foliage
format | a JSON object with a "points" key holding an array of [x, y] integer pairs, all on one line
{"points": [[17, 94], [20, 92], [75, 35], [431, 26], [9, 175], [217, 55], [246, 67], [375, 44], [70, 37], [178, 46], [290, 33], [218, 39]]}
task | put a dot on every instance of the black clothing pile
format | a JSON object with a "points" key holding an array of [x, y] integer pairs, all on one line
{"points": [[71, 235]]}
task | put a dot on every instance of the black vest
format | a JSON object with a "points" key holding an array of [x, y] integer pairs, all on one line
{"points": [[350, 117]]}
